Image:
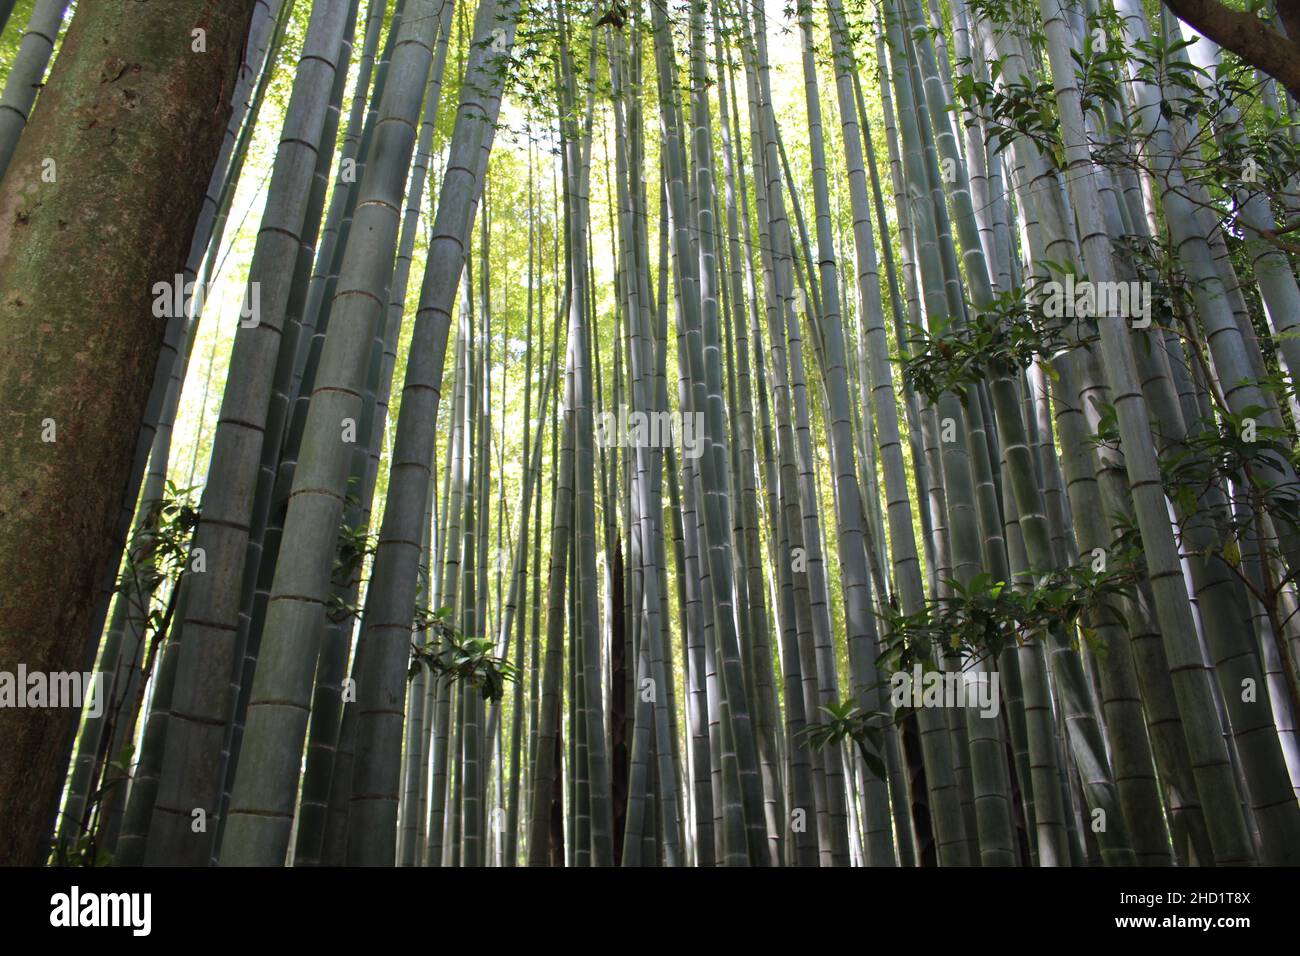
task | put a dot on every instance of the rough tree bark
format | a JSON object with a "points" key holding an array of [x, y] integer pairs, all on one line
{"points": [[98, 206], [1248, 36]]}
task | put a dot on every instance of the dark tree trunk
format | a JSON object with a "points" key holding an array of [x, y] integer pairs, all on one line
{"points": [[127, 128], [618, 697], [557, 804], [926, 852], [1248, 36]]}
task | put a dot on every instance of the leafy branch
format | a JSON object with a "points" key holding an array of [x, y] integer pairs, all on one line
{"points": [[1009, 334], [449, 653], [985, 616], [848, 721]]}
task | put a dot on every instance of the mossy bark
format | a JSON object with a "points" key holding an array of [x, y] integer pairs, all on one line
{"points": [[98, 205]]}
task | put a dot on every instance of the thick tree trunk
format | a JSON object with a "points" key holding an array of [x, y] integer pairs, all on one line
{"points": [[1246, 35], [98, 205]]}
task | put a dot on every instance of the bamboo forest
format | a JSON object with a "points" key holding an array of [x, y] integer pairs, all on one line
{"points": [[649, 433]]}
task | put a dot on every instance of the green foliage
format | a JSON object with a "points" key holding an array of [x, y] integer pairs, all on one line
{"points": [[1160, 62], [162, 538], [848, 721], [159, 549], [986, 616], [1100, 65], [355, 546], [1014, 108], [84, 850], [1008, 335], [469, 660], [1238, 448]]}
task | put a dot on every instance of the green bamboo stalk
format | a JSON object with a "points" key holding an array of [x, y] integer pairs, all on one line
{"points": [[1191, 682], [261, 803], [27, 72], [191, 771]]}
